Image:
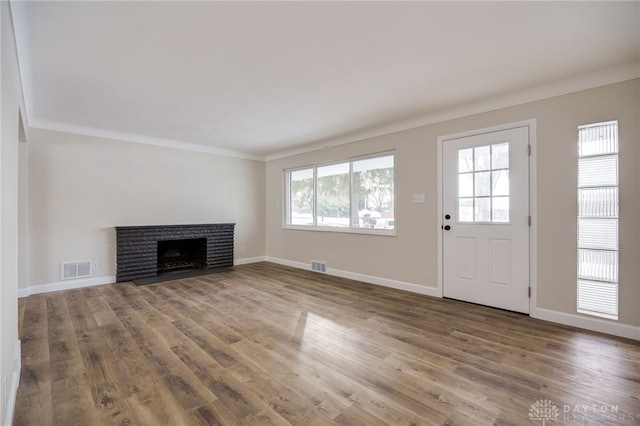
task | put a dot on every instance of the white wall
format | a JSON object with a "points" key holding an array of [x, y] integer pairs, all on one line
{"points": [[23, 254], [81, 187], [11, 98], [411, 256]]}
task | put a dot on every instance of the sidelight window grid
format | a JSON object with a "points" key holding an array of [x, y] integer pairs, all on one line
{"points": [[598, 215]]}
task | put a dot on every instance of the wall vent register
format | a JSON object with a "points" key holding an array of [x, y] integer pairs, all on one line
{"points": [[77, 269]]}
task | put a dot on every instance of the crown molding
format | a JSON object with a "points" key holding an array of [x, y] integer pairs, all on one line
{"points": [[576, 84], [58, 126], [559, 88]]}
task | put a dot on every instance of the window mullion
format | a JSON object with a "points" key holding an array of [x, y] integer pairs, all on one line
{"points": [[351, 196], [315, 197]]}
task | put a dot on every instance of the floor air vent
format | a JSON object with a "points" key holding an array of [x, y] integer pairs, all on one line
{"points": [[318, 266], [71, 270]]}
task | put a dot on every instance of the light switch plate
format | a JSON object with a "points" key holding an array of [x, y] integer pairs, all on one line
{"points": [[418, 198]]}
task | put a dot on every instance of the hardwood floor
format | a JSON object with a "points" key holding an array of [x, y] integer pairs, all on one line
{"points": [[267, 344]]}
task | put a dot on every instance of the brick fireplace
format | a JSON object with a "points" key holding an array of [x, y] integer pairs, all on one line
{"points": [[150, 251]]}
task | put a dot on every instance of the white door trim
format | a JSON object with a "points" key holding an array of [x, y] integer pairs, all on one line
{"points": [[533, 206]]}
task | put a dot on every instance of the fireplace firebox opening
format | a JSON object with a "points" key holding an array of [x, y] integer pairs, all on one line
{"points": [[181, 255]]}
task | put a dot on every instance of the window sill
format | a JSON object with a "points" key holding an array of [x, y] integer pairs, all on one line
{"points": [[361, 231]]}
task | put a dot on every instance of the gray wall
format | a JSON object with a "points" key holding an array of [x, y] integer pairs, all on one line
{"points": [[10, 208], [411, 256]]}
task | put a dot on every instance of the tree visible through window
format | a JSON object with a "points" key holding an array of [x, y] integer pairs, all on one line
{"points": [[300, 197], [353, 194], [483, 184], [373, 192], [333, 195]]}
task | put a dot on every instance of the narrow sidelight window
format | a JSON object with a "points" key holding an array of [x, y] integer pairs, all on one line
{"points": [[598, 219]]}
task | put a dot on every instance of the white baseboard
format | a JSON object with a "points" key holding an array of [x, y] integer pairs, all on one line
{"points": [[385, 282], [15, 382], [287, 262], [71, 284], [574, 320], [248, 260], [593, 324], [65, 285]]}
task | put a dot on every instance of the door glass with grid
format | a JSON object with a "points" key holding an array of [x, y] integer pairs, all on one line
{"points": [[483, 184]]}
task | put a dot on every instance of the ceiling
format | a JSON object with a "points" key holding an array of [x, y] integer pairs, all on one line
{"points": [[255, 79]]}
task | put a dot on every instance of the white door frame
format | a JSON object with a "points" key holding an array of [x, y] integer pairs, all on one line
{"points": [[533, 206]]}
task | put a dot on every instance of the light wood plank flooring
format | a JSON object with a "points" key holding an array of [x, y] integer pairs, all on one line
{"points": [[267, 344]]}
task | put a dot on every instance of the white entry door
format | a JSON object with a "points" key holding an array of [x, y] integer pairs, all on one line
{"points": [[485, 220]]}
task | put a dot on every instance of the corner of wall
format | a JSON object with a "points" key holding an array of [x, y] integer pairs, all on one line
{"points": [[15, 382], [592, 324], [66, 285], [247, 260]]}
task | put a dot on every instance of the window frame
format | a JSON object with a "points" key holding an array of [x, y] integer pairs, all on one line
{"points": [[286, 190], [350, 229], [589, 283]]}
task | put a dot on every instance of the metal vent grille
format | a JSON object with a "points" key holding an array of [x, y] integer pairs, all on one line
{"points": [[318, 266], [79, 269]]}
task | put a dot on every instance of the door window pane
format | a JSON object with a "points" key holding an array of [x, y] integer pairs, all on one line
{"points": [[482, 158], [483, 184], [465, 209], [465, 185], [465, 160], [500, 209], [482, 209], [500, 156], [500, 182]]}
